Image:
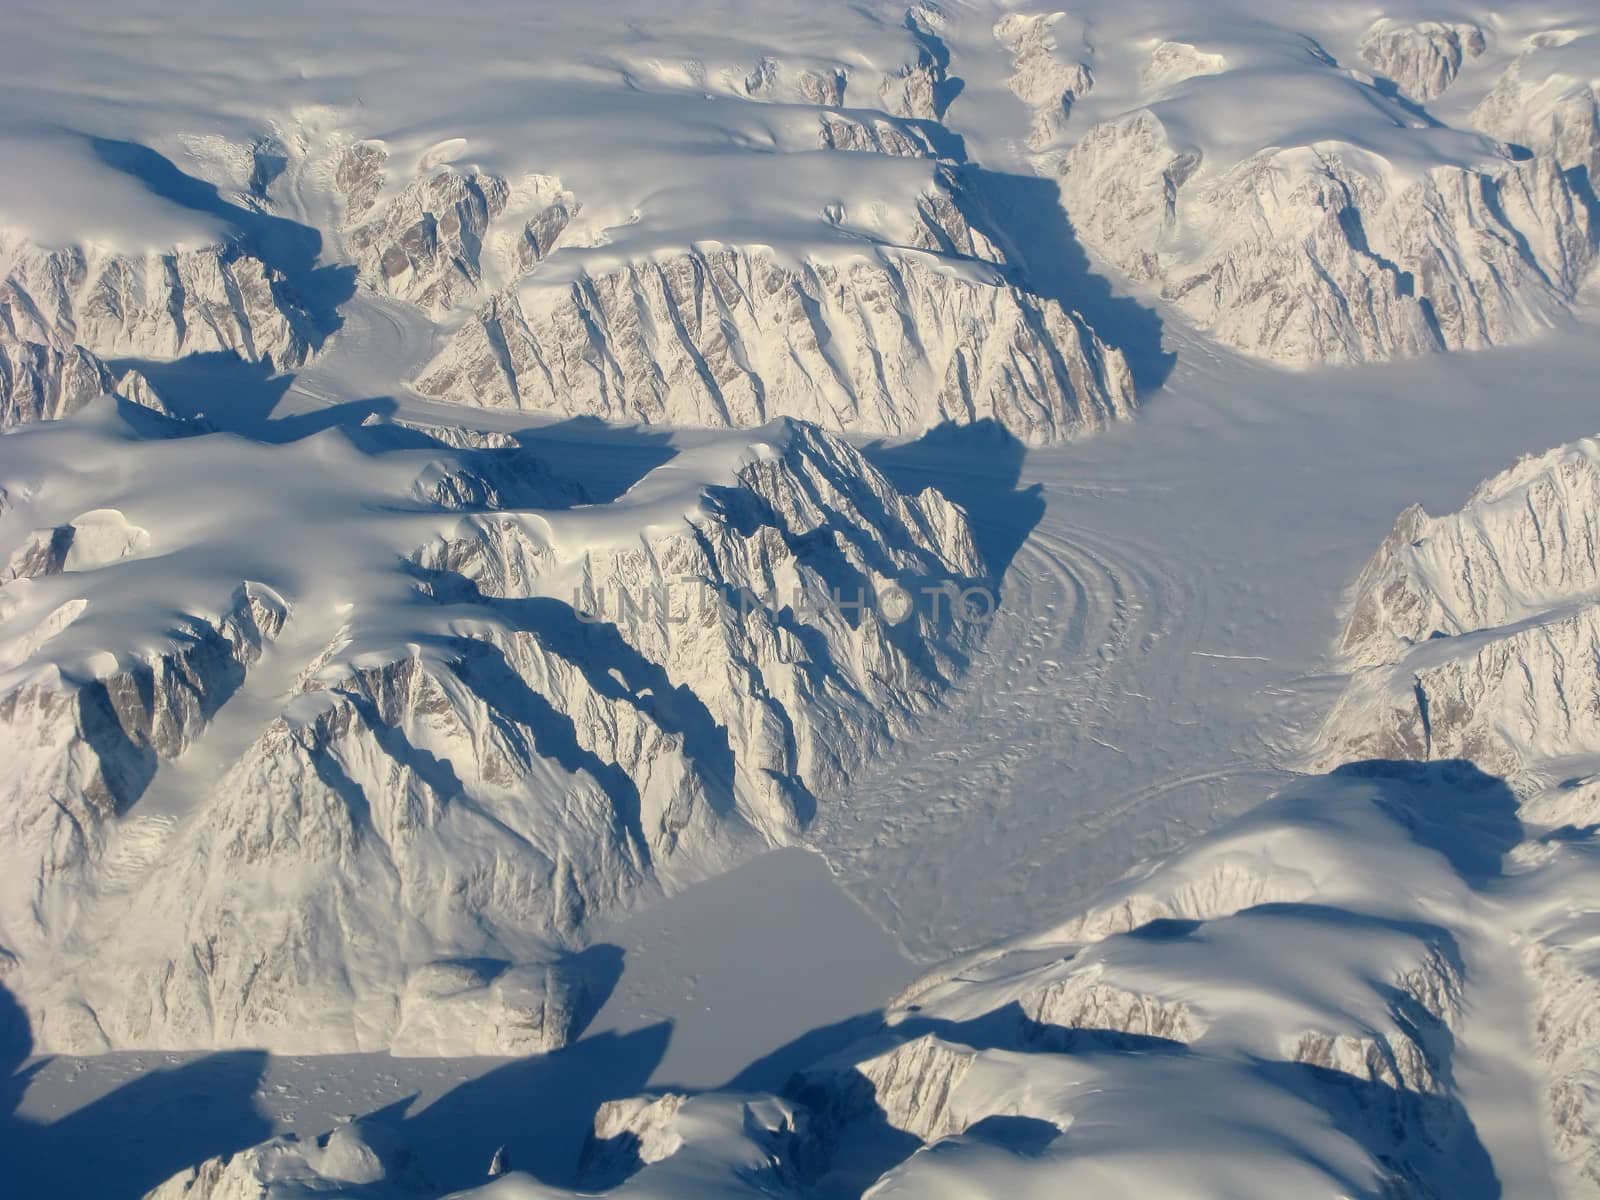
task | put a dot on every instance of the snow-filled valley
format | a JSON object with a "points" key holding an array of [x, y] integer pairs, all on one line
{"points": [[820, 601]]}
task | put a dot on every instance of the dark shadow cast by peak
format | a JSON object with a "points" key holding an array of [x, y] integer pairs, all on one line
{"points": [[610, 458], [978, 466], [1451, 806], [223, 393], [124, 1143], [540, 1109], [1025, 216], [286, 246]]}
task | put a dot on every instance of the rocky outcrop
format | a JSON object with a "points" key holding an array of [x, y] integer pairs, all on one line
{"points": [[672, 1141], [91, 540], [1422, 59], [95, 742], [1323, 255], [360, 1158], [875, 135], [160, 306], [1471, 631], [449, 233], [1172, 63], [41, 382], [44, 382], [586, 709], [1548, 100], [1042, 77], [1504, 700], [63, 312], [872, 344], [772, 79], [1381, 234], [1526, 541], [425, 244]]}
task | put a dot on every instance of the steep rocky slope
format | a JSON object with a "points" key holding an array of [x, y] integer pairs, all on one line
{"points": [[1474, 631], [1316, 254], [1548, 99], [543, 715], [1339, 221], [922, 324], [154, 305], [1477, 634], [731, 337], [1424, 58], [64, 311]]}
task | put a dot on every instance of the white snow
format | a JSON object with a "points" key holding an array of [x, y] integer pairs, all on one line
{"points": [[315, 321]]}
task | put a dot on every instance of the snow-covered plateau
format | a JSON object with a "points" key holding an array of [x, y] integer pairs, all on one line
{"points": [[734, 598]]}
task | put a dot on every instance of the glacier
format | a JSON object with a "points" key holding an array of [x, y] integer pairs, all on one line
{"points": [[739, 599]]}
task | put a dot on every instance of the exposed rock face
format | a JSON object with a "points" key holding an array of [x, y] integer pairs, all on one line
{"points": [[1472, 630], [1477, 634], [1526, 541], [1339, 246], [62, 312], [1422, 59], [1308, 255], [771, 79], [1509, 700], [732, 337], [1042, 77], [899, 329], [1548, 100], [424, 245], [40, 382], [919, 89], [94, 743], [842, 131], [92, 540], [218, 298], [450, 232], [576, 718]]}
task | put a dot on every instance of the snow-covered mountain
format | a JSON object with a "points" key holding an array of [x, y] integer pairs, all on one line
{"points": [[1475, 635], [865, 289], [836, 260], [877, 345], [456, 490], [1289, 189], [521, 713], [1293, 1021], [1299, 1022]]}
